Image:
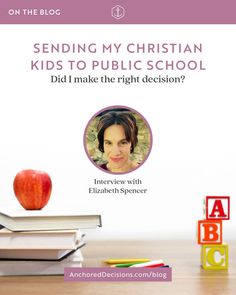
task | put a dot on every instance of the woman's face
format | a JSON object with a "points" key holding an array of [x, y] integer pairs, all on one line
{"points": [[116, 148]]}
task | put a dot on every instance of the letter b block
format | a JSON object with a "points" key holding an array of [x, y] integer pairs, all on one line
{"points": [[214, 256], [209, 232]]}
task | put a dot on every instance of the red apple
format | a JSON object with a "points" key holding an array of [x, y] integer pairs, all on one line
{"points": [[32, 188]]}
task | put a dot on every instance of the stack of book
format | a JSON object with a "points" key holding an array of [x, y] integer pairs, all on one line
{"points": [[42, 243]]}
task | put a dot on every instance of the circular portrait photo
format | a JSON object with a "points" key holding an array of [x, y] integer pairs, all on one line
{"points": [[118, 140]]}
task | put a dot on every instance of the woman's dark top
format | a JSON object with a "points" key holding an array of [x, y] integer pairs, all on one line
{"points": [[103, 166]]}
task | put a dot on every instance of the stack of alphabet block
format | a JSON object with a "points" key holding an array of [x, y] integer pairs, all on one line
{"points": [[214, 253]]}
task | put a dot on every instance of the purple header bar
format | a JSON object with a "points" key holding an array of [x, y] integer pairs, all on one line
{"points": [[118, 12]]}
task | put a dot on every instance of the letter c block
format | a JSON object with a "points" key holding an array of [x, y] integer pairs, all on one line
{"points": [[214, 256]]}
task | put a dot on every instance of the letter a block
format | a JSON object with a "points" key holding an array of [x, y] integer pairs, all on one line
{"points": [[218, 208], [215, 256], [209, 232]]}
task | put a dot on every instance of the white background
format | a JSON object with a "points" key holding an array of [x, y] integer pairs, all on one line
{"points": [[193, 126]]}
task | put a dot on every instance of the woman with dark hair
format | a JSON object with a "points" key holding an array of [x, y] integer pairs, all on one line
{"points": [[117, 138]]}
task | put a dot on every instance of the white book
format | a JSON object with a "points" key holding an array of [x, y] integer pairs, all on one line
{"points": [[37, 254], [29, 220], [58, 239], [13, 267], [33, 254]]}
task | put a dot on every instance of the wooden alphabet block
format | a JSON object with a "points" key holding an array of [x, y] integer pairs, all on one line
{"points": [[209, 232], [214, 256], [218, 208]]}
